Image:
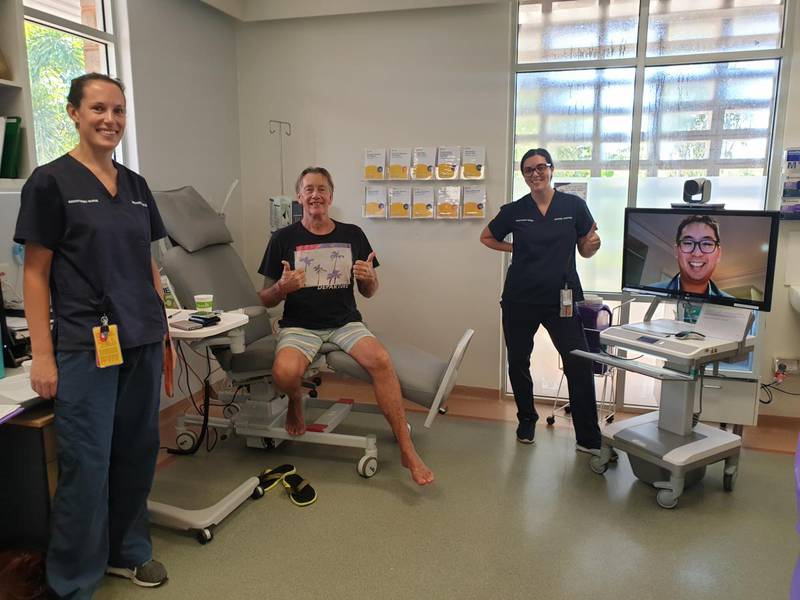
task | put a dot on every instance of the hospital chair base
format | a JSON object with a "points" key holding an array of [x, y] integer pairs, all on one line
{"points": [[667, 461], [203, 521], [262, 424]]}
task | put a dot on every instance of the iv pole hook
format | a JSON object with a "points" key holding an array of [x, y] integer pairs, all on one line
{"points": [[280, 127]]}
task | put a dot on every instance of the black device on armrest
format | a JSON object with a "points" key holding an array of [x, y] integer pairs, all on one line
{"points": [[204, 318]]}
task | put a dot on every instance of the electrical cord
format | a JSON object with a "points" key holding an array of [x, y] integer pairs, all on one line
{"points": [[607, 353]]}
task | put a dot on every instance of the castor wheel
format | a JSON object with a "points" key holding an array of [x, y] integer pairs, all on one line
{"points": [[666, 499], [186, 440], [567, 409], [205, 535], [317, 381], [367, 466], [443, 410], [729, 481], [312, 394], [610, 419], [550, 420]]}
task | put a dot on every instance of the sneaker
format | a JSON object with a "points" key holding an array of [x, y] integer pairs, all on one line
{"points": [[150, 574], [596, 452], [526, 430]]}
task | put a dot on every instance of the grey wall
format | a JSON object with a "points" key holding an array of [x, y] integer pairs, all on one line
{"points": [[183, 60]]}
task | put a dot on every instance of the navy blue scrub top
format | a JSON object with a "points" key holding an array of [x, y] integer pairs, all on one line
{"points": [[543, 257], [101, 251]]}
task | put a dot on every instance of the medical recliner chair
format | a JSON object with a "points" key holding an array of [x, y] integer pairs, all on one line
{"points": [[202, 260]]}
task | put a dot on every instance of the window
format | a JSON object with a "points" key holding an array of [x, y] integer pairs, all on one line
{"points": [[64, 38], [633, 97]]}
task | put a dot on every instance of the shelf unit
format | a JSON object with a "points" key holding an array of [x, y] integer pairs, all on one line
{"points": [[15, 95]]}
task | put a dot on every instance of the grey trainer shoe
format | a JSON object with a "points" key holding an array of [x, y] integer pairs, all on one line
{"points": [[150, 574]]}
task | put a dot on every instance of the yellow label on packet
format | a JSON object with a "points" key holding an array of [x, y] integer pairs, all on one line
{"points": [[423, 210], [472, 171], [107, 351], [448, 210], [446, 171], [375, 209], [473, 209], [398, 172], [373, 172], [423, 172]]}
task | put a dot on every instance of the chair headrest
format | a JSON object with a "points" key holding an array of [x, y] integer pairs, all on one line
{"points": [[189, 219]]}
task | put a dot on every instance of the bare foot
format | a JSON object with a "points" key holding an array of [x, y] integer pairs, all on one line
{"points": [[420, 473], [295, 422]]}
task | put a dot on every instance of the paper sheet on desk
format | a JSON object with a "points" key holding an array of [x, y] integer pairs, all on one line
{"points": [[723, 322], [16, 389]]}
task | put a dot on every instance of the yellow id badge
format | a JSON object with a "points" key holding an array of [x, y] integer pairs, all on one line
{"points": [[106, 346]]}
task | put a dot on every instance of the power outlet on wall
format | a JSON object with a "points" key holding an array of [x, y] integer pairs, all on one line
{"points": [[790, 366]]}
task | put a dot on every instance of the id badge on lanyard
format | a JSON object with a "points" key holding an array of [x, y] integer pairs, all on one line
{"points": [[107, 350], [565, 303]]}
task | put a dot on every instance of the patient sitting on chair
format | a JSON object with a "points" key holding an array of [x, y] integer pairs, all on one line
{"points": [[311, 265]]}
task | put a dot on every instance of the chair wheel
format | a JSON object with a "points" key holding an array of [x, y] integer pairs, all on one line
{"points": [[443, 410], [205, 535], [610, 419], [312, 393], [567, 409], [367, 466], [317, 381], [186, 440], [550, 420]]}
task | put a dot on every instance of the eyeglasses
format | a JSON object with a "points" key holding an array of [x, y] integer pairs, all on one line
{"points": [[687, 245], [539, 169]]}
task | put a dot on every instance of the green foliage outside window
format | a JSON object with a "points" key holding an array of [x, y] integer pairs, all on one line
{"points": [[54, 59]]}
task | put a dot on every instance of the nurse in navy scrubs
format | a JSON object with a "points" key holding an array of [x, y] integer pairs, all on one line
{"points": [[87, 223], [547, 227]]}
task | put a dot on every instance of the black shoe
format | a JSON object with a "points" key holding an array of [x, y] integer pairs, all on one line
{"points": [[526, 430]]}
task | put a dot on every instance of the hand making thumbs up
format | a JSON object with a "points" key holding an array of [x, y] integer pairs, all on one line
{"points": [[363, 269], [590, 243], [291, 280]]}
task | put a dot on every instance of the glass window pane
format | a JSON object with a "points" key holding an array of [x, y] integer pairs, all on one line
{"points": [[696, 26], [709, 120], [589, 142], [86, 12], [576, 30], [54, 59]]}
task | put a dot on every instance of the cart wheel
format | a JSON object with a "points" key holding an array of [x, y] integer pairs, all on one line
{"points": [[597, 465], [729, 481], [186, 440], [367, 466], [317, 381], [267, 443], [666, 499], [312, 393], [567, 409], [258, 492], [205, 535], [230, 411], [443, 410], [610, 419], [550, 420]]}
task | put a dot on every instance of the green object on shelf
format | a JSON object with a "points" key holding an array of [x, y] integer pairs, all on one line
{"points": [[12, 146]]}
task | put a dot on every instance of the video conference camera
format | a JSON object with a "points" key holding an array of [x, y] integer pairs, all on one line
{"points": [[697, 191]]}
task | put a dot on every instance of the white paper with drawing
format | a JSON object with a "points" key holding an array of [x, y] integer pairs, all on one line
{"points": [[328, 266]]}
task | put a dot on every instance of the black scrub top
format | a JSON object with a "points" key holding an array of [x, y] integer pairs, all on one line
{"points": [[543, 257], [101, 251]]}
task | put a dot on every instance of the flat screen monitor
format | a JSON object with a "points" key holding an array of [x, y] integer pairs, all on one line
{"points": [[719, 256]]}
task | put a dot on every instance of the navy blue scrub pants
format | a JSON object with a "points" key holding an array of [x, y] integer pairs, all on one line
{"points": [[107, 427], [520, 324]]}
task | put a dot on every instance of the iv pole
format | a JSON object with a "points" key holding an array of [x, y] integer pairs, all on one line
{"points": [[278, 127]]}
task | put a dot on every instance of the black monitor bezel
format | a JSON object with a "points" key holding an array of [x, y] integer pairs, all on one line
{"points": [[763, 305]]}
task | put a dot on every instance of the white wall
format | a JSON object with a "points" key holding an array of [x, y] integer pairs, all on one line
{"points": [[183, 58], [422, 77]]}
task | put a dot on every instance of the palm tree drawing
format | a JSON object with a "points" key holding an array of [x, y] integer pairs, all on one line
{"points": [[335, 255], [333, 277], [319, 270], [306, 260]]}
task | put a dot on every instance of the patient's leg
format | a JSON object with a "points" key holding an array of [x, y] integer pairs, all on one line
{"points": [[370, 354], [287, 374]]}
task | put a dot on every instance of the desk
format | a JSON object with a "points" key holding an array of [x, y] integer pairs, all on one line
{"points": [[29, 472]]}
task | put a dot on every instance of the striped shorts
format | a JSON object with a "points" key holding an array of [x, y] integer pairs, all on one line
{"points": [[309, 341]]}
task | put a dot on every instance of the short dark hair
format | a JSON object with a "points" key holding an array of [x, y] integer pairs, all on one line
{"points": [[704, 219], [537, 152], [319, 171], [76, 87]]}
